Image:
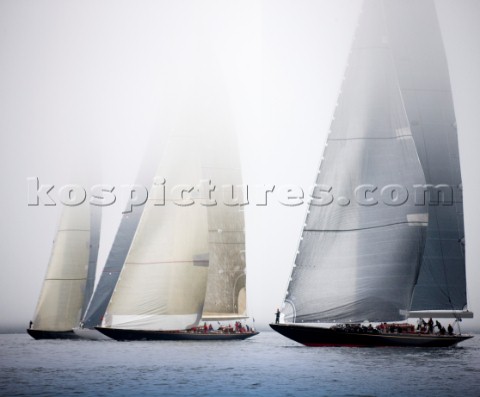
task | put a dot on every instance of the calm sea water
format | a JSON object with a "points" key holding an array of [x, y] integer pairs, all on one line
{"points": [[267, 364]]}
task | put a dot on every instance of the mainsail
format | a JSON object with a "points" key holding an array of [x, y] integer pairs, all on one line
{"points": [[71, 265], [425, 84], [363, 239], [226, 288]]}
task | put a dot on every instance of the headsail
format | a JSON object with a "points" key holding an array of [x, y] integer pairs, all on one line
{"points": [[363, 239], [162, 284], [95, 226], [424, 80], [121, 244], [63, 294]]}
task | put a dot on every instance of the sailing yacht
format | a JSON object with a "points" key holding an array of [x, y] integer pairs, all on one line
{"points": [[186, 263], [382, 251], [70, 277]]}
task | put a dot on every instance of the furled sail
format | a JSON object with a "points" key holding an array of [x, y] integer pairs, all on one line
{"points": [[162, 283], [363, 239], [425, 84], [226, 288], [63, 294]]}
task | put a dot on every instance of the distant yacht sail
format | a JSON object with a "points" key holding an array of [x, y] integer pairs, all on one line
{"points": [[360, 256], [163, 281], [118, 252], [95, 227], [109, 276], [69, 276], [225, 297]]}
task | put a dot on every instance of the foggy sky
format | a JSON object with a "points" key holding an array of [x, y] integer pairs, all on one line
{"points": [[84, 84]]}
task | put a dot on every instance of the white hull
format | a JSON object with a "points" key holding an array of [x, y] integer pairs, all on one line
{"points": [[91, 334]]}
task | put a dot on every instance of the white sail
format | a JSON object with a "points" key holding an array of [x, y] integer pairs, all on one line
{"points": [[63, 294], [361, 246], [371, 262], [162, 283], [95, 227]]}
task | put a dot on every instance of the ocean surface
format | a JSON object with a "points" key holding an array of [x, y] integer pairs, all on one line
{"points": [[265, 365]]}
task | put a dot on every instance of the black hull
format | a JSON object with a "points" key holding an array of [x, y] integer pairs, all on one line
{"points": [[314, 336], [39, 334], [133, 335]]}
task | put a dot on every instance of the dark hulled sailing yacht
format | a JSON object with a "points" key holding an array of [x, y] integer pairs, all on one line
{"points": [[186, 264], [70, 277], [386, 246]]}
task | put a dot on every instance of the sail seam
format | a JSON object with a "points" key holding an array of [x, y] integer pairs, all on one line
{"points": [[426, 89], [155, 263], [370, 138], [226, 231], [73, 230], [364, 228], [65, 279], [217, 242]]}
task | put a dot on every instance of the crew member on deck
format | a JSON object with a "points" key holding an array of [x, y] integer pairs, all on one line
{"points": [[420, 324], [430, 326], [450, 329], [277, 316]]}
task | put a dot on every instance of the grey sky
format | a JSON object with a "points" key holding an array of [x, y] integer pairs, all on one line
{"points": [[87, 83]]}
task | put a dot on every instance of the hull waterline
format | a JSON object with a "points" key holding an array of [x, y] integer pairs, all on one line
{"points": [[39, 334], [315, 336], [135, 335], [90, 334]]}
